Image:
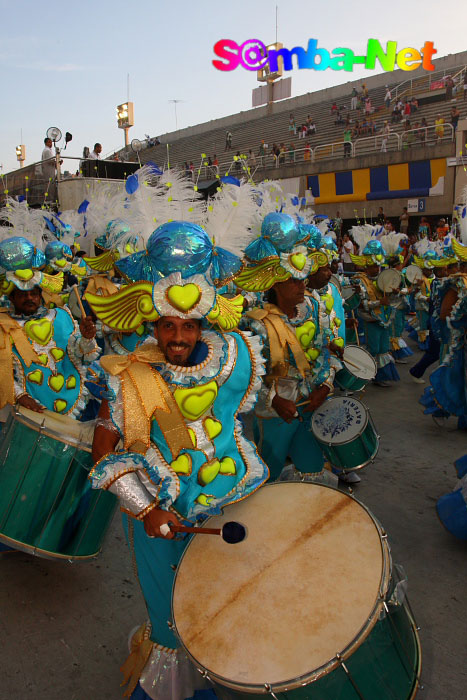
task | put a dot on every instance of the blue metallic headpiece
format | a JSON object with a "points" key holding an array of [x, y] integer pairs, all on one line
{"points": [[17, 253]]}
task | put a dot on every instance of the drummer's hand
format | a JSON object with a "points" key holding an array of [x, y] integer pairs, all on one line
{"points": [[385, 301], [87, 328], [351, 323], [317, 397], [285, 408], [28, 402], [157, 517], [336, 350]]}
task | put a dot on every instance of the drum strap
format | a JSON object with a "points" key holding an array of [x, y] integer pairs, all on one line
{"points": [[282, 339], [146, 395], [373, 292], [11, 333]]}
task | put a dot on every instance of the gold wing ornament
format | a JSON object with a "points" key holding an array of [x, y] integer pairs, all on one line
{"points": [[227, 312], [318, 259], [103, 262], [358, 260], [52, 283], [460, 250], [419, 262], [261, 277], [127, 309]]}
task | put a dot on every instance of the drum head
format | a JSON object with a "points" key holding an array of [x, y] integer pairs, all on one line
{"points": [[388, 280], [339, 420], [361, 363], [61, 428], [303, 586], [348, 292], [413, 274]]}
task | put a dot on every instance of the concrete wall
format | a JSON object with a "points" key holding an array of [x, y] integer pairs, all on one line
{"points": [[73, 191]]}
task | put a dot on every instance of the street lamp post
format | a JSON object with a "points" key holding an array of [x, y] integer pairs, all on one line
{"points": [[125, 118]]}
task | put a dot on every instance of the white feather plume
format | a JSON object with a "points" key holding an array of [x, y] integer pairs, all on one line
{"points": [[365, 233], [229, 215], [23, 221], [391, 242]]}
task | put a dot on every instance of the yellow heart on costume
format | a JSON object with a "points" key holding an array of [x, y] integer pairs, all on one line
{"points": [[24, 274], [195, 401], [61, 263], [58, 354], [59, 405], [184, 297], [298, 261], [329, 301], [212, 428], [193, 437], [182, 465], [337, 322], [208, 472], [71, 382], [339, 342], [228, 467], [43, 359], [306, 333], [56, 382], [36, 377], [204, 499], [140, 330], [312, 354], [40, 330]]}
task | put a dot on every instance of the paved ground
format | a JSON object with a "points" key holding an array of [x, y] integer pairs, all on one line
{"points": [[64, 627]]}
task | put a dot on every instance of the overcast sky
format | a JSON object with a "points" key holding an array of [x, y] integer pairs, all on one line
{"points": [[65, 64]]}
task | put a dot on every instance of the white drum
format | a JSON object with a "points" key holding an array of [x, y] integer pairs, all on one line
{"points": [[389, 280], [359, 369], [413, 274]]}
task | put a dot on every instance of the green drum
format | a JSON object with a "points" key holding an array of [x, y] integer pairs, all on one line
{"points": [[345, 432], [351, 298], [47, 505], [268, 617], [359, 369]]}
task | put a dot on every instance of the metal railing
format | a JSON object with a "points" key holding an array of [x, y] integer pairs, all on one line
{"points": [[427, 135], [372, 144], [425, 82]]}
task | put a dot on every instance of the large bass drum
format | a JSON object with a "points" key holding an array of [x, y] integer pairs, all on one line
{"points": [[304, 608], [47, 505]]}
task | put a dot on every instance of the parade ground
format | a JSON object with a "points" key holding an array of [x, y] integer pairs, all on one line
{"points": [[65, 626]]}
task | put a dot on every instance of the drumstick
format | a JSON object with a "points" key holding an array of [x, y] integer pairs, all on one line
{"points": [[231, 532], [356, 329], [80, 303]]}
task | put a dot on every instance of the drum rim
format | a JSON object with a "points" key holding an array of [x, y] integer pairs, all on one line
{"points": [[368, 418], [363, 379], [388, 269], [48, 432], [354, 292], [332, 664], [372, 456], [44, 553]]}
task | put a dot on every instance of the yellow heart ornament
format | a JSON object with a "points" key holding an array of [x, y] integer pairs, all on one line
{"points": [[208, 472], [56, 382], [193, 437], [329, 301], [24, 275], [59, 405], [306, 333], [58, 354], [228, 467], [212, 427], [39, 331], [36, 377], [194, 402], [182, 465], [298, 261], [71, 382], [184, 298], [339, 342], [204, 499], [312, 354], [43, 359]]}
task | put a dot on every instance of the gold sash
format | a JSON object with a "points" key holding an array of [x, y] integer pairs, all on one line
{"points": [[282, 338], [11, 333], [146, 395], [374, 293]]}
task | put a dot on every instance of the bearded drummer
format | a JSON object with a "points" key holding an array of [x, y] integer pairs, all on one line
{"points": [[45, 351], [174, 405]]}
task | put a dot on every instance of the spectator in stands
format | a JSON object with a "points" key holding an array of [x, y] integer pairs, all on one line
{"points": [[385, 136], [339, 118], [371, 127], [48, 160], [387, 97], [209, 162], [455, 114], [291, 152], [353, 99], [449, 82], [215, 163], [424, 228], [359, 103], [364, 128], [251, 158], [238, 162], [407, 109], [442, 229], [439, 130], [228, 141], [388, 226], [380, 218], [334, 108], [348, 248], [357, 130], [303, 131], [368, 107], [347, 142], [414, 105], [262, 151], [311, 128], [396, 115], [307, 152], [96, 153], [275, 152], [292, 123], [187, 169], [404, 221], [282, 151], [364, 90]]}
